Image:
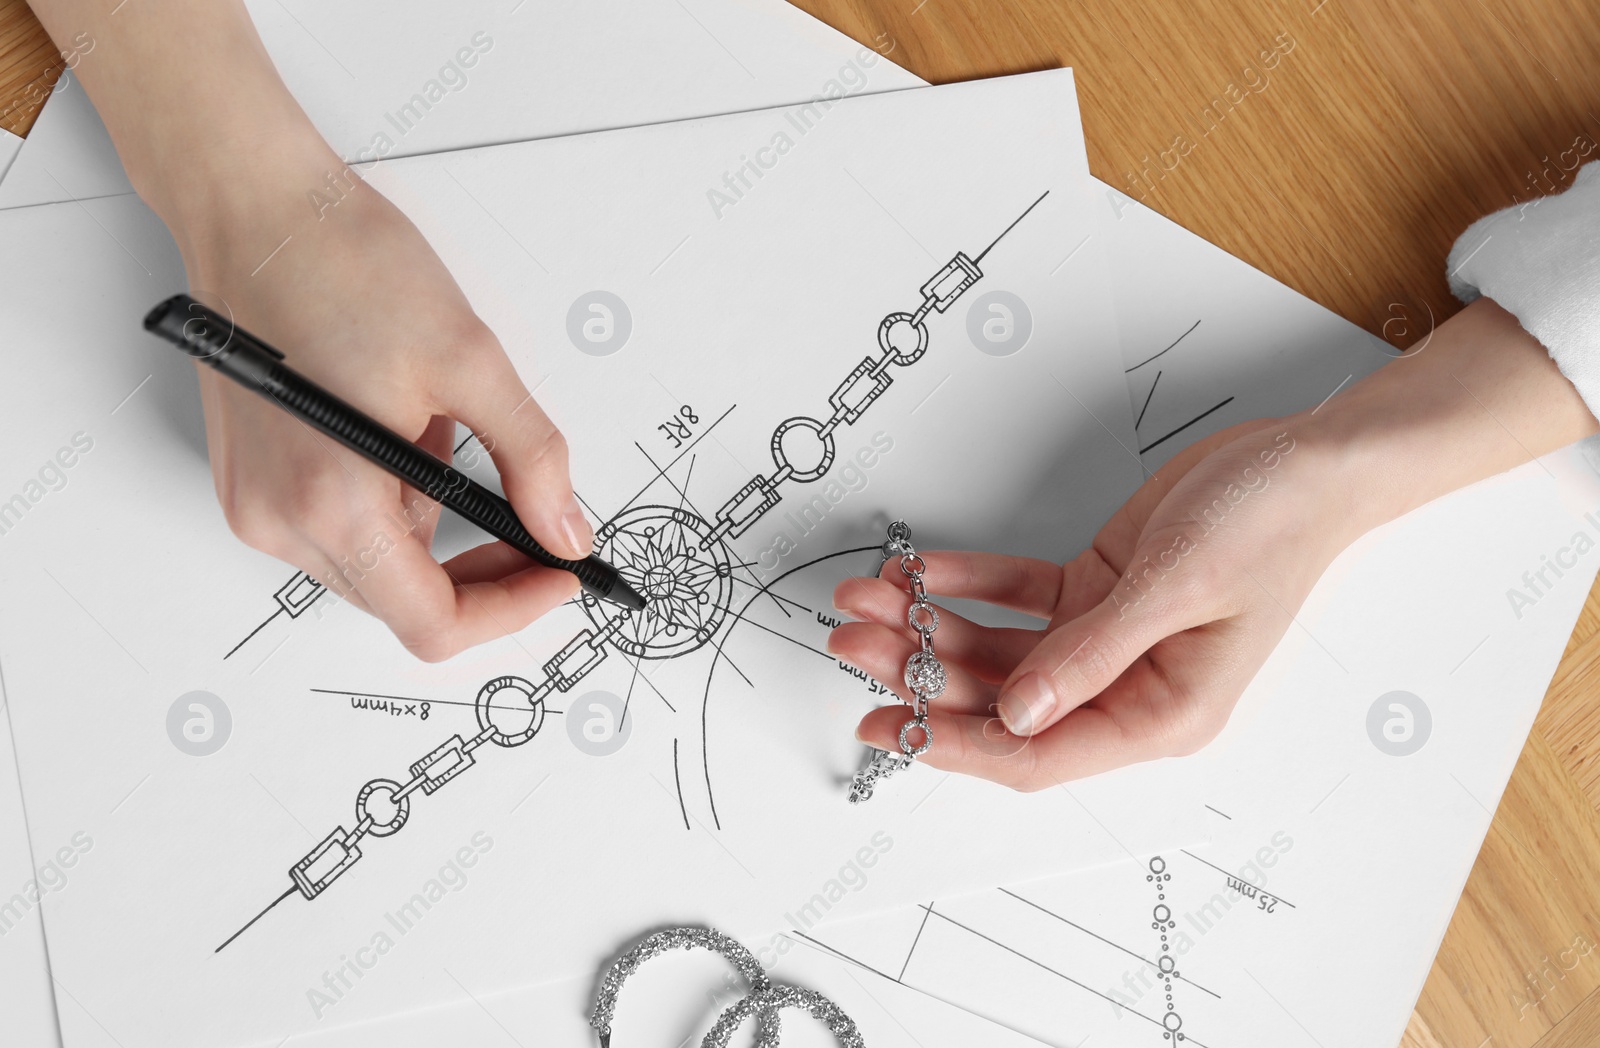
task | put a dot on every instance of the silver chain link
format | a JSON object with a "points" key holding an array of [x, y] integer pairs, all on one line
{"points": [[925, 675]]}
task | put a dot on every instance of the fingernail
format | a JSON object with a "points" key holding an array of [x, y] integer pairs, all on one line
{"points": [[862, 738], [1027, 704], [577, 529]]}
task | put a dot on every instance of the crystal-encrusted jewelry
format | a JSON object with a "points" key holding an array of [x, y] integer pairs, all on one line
{"points": [[769, 1000], [925, 675], [605, 1001]]}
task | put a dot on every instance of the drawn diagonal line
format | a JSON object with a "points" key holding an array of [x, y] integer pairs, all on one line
{"points": [[886, 211], [251, 922], [1102, 938], [1236, 877], [926, 913], [1013, 225], [737, 670], [687, 478], [651, 685], [253, 632], [845, 956], [394, 698], [627, 700], [777, 633], [1185, 426], [661, 470], [786, 600], [1180, 338], [1046, 967], [96, 621], [662, 474], [1147, 397]]}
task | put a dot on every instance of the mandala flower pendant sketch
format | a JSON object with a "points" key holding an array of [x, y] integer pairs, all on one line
{"points": [[924, 675]]}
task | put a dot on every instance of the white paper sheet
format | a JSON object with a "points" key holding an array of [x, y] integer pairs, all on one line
{"points": [[389, 80], [1220, 342], [30, 1017], [635, 203], [9, 146], [1273, 351], [673, 999], [1346, 860]]}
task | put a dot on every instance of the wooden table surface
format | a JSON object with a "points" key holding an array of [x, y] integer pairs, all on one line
{"points": [[1345, 164]]}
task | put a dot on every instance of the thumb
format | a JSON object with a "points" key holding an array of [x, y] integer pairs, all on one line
{"points": [[528, 450], [1081, 658]]}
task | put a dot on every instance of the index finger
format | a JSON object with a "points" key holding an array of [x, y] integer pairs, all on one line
{"points": [[435, 616], [1023, 584]]}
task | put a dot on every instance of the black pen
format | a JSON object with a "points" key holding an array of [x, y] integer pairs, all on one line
{"points": [[215, 340]]}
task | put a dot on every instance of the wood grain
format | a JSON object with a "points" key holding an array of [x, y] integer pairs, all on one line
{"points": [[1345, 167]]}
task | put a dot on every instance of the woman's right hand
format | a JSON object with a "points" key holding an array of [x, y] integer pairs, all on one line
{"points": [[364, 307]]}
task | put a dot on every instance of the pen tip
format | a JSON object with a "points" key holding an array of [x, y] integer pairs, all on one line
{"points": [[627, 596]]}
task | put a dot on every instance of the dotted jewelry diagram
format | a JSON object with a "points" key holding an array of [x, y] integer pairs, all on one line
{"points": [[679, 560]]}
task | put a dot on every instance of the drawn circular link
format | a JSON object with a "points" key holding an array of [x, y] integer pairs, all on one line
{"points": [[780, 995], [781, 458], [486, 710], [891, 325], [923, 625], [402, 807], [919, 721]]}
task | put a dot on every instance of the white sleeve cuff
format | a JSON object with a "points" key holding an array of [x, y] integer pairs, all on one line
{"points": [[1540, 261]]}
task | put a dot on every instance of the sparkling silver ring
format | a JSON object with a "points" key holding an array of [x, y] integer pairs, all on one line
{"points": [[605, 1001], [776, 996]]}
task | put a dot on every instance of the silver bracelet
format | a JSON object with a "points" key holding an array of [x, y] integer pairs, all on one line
{"points": [[924, 675]]}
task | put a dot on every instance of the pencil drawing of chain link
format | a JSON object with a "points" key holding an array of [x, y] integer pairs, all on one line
{"points": [[681, 563]]}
